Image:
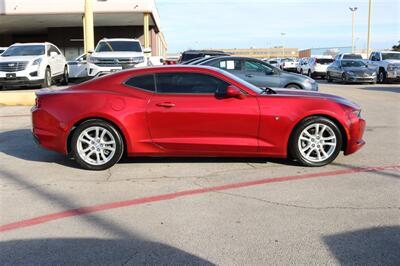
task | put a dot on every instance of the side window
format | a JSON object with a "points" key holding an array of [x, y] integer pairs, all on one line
{"points": [[51, 49], [144, 82], [193, 83], [229, 64], [254, 66]]}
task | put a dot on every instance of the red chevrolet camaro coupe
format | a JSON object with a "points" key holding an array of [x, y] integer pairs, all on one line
{"points": [[192, 111]]}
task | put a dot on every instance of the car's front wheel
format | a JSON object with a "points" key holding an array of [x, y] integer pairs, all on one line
{"points": [[97, 145], [47, 78], [65, 77], [381, 76], [316, 141]]}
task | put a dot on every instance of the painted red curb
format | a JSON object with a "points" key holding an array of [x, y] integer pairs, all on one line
{"points": [[169, 196]]}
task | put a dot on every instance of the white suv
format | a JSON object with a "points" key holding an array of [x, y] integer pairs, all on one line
{"points": [[31, 64], [315, 66], [112, 55]]}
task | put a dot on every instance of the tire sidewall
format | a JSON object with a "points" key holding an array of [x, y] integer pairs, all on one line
{"points": [[47, 76], [65, 76], [100, 123], [294, 149]]}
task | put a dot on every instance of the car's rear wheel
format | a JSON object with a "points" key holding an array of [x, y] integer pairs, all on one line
{"points": [[344, 78], [97, 145], [317, 141]]}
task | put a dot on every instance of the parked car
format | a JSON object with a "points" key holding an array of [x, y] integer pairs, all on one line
{"points": [[32, 64], [78, 67], [193, 54], [261, 74], [192, 111], [112, 55], [351, 71], [288, 64], [388, 64], [315, 66], [300, 63], [276, 62], [343, 56], [2, 49]]}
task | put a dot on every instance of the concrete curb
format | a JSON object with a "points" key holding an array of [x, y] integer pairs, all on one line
{"points": [[17, 98]]}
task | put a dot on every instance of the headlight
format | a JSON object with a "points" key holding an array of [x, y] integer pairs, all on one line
{"points": [[139, 59], [92, 59], [350, 73], [37, 61]]}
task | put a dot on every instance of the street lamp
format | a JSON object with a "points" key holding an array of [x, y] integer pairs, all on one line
{"points": [[283, 44], [369, 27], [353, 15]]}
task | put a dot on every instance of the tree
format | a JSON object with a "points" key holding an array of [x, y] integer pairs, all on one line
{"points": [[396, 47]]}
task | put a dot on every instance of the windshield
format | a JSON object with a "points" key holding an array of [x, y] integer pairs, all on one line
{"points": [[324, 61], [118, 46], [287, 60], [386, 56], [353, 63], [352, 56], [22, 50], [243, 82]]}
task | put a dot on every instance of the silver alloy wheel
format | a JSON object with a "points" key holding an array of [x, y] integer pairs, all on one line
{"points": [[48, 78], [317, 142], [96, 145]]}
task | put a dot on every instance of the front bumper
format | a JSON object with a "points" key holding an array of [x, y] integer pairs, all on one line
{"points": [[355, 136], [31, 75], [20, 81], [98, 70], [361, 79], [393, 74]]}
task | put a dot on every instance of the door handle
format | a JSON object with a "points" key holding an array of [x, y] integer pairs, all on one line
{"points": [[249, 75], [166, 104]]}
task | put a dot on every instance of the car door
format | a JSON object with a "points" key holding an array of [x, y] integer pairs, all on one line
{"points": [[189, 114], [77, 68], [260, 74], [60, 60]]}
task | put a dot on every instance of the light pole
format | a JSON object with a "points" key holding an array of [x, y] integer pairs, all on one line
{"points": [[283, 44], [353, 15], [369, 27], [88, 29]]}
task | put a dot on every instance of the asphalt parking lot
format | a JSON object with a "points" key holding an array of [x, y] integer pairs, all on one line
{"points": [[200, 211]]}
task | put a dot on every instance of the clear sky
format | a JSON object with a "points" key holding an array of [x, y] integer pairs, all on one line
{"points": [[201, 24]]}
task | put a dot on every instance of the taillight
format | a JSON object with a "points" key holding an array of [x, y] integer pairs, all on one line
{"points": [[37, 102]]}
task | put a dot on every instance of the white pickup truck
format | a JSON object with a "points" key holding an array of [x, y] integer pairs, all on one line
{"points": [[387, 63], [112, 55]]}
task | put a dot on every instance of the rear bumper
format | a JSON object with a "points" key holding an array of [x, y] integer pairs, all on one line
{"points": [[355, 138]]}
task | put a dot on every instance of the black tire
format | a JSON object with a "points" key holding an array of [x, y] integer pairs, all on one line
{"points": [[328, 77], [293, 86], [119, 144], [309, 73], [344, 78], [47, 78], [294, 150], [65, 77], [381, 76]]}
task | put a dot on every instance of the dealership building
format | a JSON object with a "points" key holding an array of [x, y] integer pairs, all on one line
{"points": [[60, 22]]}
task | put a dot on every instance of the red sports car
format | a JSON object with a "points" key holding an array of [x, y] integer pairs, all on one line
{"points": [[192, 111]]}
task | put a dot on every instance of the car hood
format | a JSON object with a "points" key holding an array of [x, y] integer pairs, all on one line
{"points": [[317, 95], [360, 69], [116, 54], [18, 58]]}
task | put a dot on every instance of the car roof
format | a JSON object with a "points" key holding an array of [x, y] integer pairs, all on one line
{"points": [[120, 39], [31, 43], [204, 52]]}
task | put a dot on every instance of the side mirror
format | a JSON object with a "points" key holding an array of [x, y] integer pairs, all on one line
{"points": [[233, 92], [53, 54], [147, 50]]}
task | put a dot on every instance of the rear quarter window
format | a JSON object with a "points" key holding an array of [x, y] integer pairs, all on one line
{"points": [[144, 82]]}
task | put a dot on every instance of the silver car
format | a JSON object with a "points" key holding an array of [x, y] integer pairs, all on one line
{"points": [[260, 73]]}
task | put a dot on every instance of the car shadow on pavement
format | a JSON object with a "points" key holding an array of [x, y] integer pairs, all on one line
{"points": [[93, 251], [127, 248], [385, 89], [20, 144], [371, 246]]}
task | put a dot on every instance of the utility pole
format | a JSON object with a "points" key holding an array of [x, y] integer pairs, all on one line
{"points": [[353, 15], [283, 44], [369, 27], [88, 26]]}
